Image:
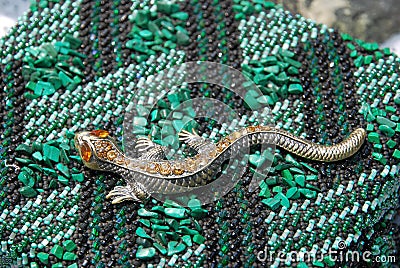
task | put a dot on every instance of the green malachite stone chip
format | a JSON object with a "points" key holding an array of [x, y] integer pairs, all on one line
{"points": [[146, 34], [37, 156], [295, 88], [57, 251], [311, 177], [300, 180], [396, 154], [145, 213], [69, 245], [145, 253], [272, 69], [384, 121], [187, 230], [182, 38], [26, 178], [373, 137], [291, 192], [24, 148], [199, 239], [160, 248], [178, 213], [391, 144], [142, 233], [51, 152], [173, 224], [25, 161], [78, 177], [388, 131], [187, 240], [69, 256], [194, 204], [43, 257], [175, 247], [63, 169], [271, 202], [28, 191], [65, 91], [198, 213]]}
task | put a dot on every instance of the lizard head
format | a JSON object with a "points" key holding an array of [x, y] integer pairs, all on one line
{"points": [[96, 147]]}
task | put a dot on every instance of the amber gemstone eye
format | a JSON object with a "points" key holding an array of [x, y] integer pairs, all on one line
{"points": [[86, 152], [99, 133]]}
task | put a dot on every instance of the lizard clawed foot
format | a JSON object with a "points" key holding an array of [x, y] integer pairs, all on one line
{"points": [[124, 193], [185, 135], [144, 143], [194, 141]]}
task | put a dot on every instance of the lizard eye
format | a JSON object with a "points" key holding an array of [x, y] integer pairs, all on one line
{"points": [[86, 152], [99, 133]]}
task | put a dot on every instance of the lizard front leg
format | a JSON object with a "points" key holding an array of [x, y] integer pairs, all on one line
{"points": [[150, 150], [132, 191]]}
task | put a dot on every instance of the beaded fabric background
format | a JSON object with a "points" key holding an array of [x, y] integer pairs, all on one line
{"points": [[72, 66]]}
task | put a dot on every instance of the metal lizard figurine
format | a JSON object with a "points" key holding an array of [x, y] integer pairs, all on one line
{"points": [[150, 172]]}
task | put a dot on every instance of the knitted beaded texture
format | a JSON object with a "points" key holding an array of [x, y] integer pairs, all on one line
{"points": [[71, 66]]}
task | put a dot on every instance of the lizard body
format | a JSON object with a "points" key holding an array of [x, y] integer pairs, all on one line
{"points": [[151, 173]]}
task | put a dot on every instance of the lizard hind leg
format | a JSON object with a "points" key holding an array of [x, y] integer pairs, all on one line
{"points": [[194, 141], [129, 192]]}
